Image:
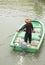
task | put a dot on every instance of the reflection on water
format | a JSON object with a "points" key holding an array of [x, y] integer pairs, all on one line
{"points": [[42, 1], [12, 15], [38, 9]]}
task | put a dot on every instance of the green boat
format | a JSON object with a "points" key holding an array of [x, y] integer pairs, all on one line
{"points": [[37, 38]]}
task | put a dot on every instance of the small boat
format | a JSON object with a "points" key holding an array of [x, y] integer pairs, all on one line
{"points": [[37, 38]]}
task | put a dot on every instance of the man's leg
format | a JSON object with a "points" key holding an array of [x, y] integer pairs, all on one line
{"points": [[30, 38], [25, 38]]}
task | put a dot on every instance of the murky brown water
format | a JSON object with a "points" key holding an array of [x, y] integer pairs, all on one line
{"points": [[12, 15]]}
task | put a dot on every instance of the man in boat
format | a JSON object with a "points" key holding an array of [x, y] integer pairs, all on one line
{"points": [[28, 27]]}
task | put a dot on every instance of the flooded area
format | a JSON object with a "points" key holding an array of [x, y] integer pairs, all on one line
{"points": [[12, 15]]}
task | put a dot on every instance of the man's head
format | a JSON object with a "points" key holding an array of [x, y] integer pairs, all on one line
{"points": [[27, 20]]}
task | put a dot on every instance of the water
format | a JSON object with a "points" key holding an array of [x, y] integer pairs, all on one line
{"points": [[12, 15]]}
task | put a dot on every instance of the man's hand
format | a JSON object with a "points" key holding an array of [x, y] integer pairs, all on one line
{"points": [[17, 30]]}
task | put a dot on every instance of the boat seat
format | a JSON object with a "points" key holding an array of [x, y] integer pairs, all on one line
{"points": [[35, 36], [37, 30], [21, 34]]}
